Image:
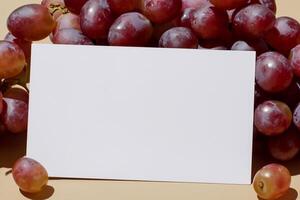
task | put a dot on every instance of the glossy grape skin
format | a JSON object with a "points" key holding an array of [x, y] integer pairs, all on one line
{"points": [[194, 4], [23, 44], [29, 175], [130, 29], [241, 46], [179, 37], [161, 11], [285, 146], [66, 21], [17, 92], [284, 35], [123, 6], [71, 36], [96, 18], [295, 60], [272, 181], [271, 4], [272, 117], [55, 7], [273, 72], [15, 115], [253, 21], [186, 17], [75, 5], [229, 4], [296, 116], [12, 59], [209, 22], [31, 22]]}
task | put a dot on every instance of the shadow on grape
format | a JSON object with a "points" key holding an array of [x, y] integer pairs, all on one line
{"points": [[46, 193], [12, 147]]}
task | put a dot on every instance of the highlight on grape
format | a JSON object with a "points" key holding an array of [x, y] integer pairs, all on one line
{"points": [[239, 25]]}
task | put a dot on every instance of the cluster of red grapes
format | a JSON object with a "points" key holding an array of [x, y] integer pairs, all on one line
{"points": [[245, 25]]}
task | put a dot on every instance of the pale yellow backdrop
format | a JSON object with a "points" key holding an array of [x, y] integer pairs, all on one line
{"points": [[12, 147]]}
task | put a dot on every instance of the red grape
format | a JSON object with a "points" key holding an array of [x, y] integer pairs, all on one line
{"points": [[55, 7], [209, 22], [284, 35], [130, 29], [241, 46], [31, 22], [273, 72], [96, 18], [271, 4], [71, 36], [272, 117], [252, 45], [12, 59], [161, 11], [286, 146], [75, 5], [296, 117], [23, 44], [272, 181], [17, 92], [229, 4], [194, 4], [66, 21], [179, 37], [295, 60], [29, 175], [123, 6], [15, 115], [253, 21], [186, 17]]}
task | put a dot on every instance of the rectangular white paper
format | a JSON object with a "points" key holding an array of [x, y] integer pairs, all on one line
{"points": [[142, 113]]}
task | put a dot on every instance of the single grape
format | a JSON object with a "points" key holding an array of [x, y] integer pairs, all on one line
{"points": [[210, 23], [179, 37], [130, 29], [161, 11], [66, 21], [273, 72], [15, 115], [123, 6], [75, 5], [71, 36], [242, 46], [253, 21], [96, 18], [31, 22], [295, 60], [194, 4], [186, 17], [23, 44], [296, 117], [272, 181], [29, 175], [229, 4], [17, 92], [55, 7], [271, 4], [272, 117], [12, 59], [283, 36], [286, 146], [251, 45]]}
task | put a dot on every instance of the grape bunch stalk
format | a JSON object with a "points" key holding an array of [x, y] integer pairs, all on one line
{"points": [[238, 25]]}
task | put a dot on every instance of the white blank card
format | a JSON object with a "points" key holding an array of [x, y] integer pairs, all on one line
{"points": [[142, 113]]}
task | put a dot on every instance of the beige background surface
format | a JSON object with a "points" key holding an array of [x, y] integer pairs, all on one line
{"points": [[12, 147]]}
